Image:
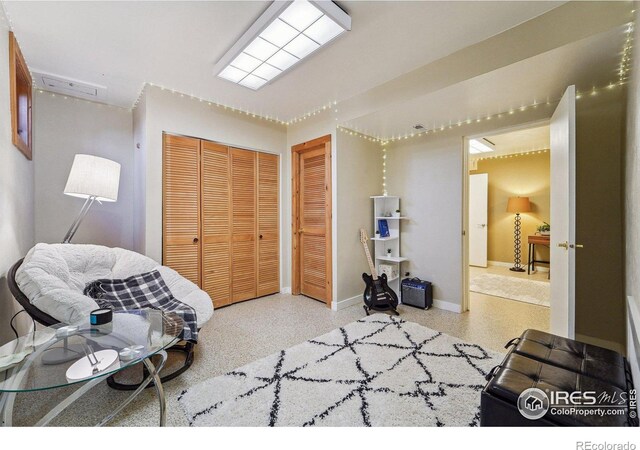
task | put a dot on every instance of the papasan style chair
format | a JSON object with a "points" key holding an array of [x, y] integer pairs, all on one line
{"points": [[49, 282]]}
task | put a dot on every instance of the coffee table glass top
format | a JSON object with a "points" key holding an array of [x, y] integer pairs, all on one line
{"points": [[46, 357]]}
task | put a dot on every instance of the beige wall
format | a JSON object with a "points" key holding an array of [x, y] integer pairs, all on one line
{"points": [[64, 127], [632, 198], [359, 165], [173, 113], [16, 197], [524, 176]]}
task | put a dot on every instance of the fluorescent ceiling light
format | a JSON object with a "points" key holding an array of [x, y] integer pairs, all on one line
{"points": [[267, 71], [480, 146], [283, 35], [301, 46]]}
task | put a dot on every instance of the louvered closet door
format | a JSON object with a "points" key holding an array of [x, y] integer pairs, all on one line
{"points": [[181, 207], [216, 223], [313, 236], [268, 225], [243, 224]]}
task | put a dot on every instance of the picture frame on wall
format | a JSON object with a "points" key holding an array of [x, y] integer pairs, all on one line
{"points": [[21, 99]]}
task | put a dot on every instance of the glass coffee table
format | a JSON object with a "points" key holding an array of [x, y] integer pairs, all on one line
{"points": [[84, 354]]}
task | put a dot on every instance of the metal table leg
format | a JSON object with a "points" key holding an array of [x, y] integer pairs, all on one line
{"points": [[153, 376], [8, 399]]}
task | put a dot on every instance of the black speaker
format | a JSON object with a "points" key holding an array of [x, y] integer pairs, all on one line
{"points": [[417, 292]]}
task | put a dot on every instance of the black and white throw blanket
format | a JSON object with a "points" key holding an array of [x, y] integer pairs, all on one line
{"points": [[378, 371], [144, 291]]}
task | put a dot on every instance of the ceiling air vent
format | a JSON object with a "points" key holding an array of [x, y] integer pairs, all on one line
{"points": [[69, 86], [418, 127]]}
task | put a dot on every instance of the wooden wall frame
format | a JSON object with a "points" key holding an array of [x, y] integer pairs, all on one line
{"points": [[21, 99], [296, 151]]}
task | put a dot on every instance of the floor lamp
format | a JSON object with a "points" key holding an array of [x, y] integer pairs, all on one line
{"points": [[94, 179], [517, 205]]}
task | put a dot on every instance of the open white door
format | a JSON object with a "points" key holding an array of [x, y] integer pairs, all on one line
{"points": [[563, 215], [478, 192]]}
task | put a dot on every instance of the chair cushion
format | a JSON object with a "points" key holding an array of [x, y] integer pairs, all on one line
{"points": [[53, 277]]}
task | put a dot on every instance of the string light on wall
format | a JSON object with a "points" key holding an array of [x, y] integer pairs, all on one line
{"points": [[364, 136], [512, 155], [328, 107]]}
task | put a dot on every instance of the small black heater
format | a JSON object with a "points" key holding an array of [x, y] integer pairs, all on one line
{"points": [[417, 292]]}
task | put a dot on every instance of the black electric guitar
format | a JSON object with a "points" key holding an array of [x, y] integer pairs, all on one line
{"points": [[378, 295]]}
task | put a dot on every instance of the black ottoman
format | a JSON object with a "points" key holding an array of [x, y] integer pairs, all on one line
{"points": [[555, 364]]}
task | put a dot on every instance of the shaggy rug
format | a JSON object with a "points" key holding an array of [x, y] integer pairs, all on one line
{"points": [[520, 289], [378, 371]]}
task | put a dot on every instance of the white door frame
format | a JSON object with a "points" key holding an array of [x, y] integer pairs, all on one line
{"points": [[465, 197]]}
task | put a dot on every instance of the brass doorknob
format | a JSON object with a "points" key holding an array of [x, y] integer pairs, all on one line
{"points": [[576, 246], [564, 245]]}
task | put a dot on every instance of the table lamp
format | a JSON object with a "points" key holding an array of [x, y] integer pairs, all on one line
{"points": [[517, 205], [92, 178]]}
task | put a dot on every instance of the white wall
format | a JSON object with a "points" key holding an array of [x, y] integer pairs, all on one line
{"points": [[176, 114], [139, 174], [427, 174], [62, 128], [359, 172], [16, 197]]}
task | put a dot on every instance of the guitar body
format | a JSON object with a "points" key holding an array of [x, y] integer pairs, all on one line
{"points": [[378, 295]]}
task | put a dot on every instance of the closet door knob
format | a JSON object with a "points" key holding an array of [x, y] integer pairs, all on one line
{"points": [[195, 240], [260, 236]]}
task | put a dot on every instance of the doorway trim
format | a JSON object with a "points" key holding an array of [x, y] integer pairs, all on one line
{"points": [[465, 197], [296, 151]]}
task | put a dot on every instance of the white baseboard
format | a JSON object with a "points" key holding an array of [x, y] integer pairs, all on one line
{"points": [[342, 304], [510, 264], [447, 306], [286, 290]]}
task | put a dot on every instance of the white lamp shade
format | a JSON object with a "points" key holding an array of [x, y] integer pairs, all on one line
{"points": [[93, 176]]}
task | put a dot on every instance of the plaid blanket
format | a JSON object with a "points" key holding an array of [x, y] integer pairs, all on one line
{"points": [[147, 290]]}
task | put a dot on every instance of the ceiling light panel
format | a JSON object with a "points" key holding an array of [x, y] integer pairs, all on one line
{"points": [[286, 33]]}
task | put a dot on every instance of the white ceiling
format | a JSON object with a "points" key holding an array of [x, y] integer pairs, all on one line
{"points": [[121, 45], [520, 141], [586, 63]]}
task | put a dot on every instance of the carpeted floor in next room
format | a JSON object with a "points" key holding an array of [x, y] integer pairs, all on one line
{"points": [[242, 333]]}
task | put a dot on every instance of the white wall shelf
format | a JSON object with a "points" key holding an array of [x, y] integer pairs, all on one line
{"points": [[383, 206], [393, 259]]}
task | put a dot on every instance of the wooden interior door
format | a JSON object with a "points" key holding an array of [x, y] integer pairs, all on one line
{"points": [[311, 232], [243, 224], [268, 224], [181, 206], [216, 223]]}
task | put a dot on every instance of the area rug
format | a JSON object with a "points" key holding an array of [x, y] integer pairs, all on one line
{"points": [[520, 289], [378, 371]]}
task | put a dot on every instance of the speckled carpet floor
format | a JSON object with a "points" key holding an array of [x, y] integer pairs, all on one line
{"points": [[377, 371], [245, 332]]}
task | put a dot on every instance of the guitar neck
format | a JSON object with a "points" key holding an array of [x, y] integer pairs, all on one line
{"points": [[372, 267]]}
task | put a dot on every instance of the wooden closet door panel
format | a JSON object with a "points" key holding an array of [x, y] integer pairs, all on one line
{"points": [[313, 239], [243, 224], [216, 223], [268, 224], [181, 206]]}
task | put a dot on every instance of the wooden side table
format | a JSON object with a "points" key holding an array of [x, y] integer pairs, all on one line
{"points": [[531, 258]]}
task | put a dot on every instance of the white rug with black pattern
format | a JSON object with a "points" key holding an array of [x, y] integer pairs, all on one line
{"points": [[378, 371]]}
